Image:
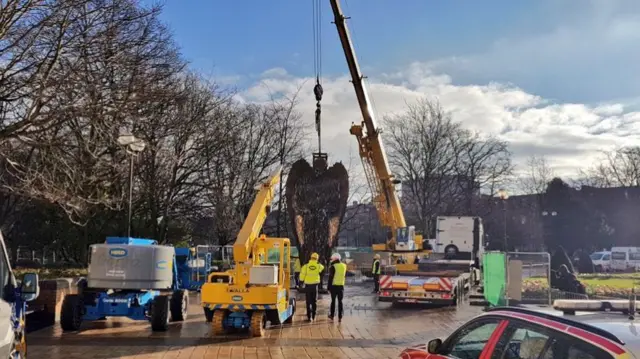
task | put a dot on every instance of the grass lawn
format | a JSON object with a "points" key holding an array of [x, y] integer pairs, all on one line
{"points": [[612, 282], [616, 285]]}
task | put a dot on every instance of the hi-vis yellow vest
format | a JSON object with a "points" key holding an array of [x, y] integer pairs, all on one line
{"points": [[340, 273], [296, 266], [373, 268], [310, 273]]}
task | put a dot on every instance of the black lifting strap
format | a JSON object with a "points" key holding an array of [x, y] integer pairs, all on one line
{"points": [[318, 91]]}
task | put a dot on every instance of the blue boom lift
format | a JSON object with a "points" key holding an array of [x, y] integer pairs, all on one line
{"points": [[193, 268], [134, 278]]}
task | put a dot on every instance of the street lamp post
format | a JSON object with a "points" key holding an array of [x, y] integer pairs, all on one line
{"points": [[133, 147], [503, 195]]}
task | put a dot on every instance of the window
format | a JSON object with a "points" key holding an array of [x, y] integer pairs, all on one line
{"points": [[469, 342], [523, 340], [526, 343], [578, 349], [606, 257], [619, 255], [596, 256], [635, 256]]}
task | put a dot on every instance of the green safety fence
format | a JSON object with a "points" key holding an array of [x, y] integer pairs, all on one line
{"points": [[494, 276]]}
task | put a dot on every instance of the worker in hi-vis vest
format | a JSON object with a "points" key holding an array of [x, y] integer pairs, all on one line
{"points": [[310, 276], [296, 271], [375, 271], [337, 277]]}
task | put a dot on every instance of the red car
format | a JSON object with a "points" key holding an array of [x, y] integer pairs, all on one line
{"points": [[517, 333]]}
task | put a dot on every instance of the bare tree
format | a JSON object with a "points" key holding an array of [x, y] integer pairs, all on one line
{"points": [[482, 163], [536, 176], [423, 144], [252, 148], [171, 167], [442, 165], [618, 168], [104, 81]]}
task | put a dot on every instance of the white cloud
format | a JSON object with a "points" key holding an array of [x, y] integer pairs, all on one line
{"points": [[569, 134]]}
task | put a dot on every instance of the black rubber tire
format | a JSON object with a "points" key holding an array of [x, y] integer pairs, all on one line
{"points": [[179, 305], [450, 251], [160, 314], [208, 315], [292, 302], [71, 313]]}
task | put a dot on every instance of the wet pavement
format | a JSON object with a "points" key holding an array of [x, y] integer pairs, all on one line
{"points": [[369, 330]]}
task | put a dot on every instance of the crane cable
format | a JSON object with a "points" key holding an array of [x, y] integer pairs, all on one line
{"points": [[317, 64]]}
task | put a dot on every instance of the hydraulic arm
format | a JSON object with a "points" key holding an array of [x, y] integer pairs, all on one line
{"points": [[371, 149], [258, 213]]}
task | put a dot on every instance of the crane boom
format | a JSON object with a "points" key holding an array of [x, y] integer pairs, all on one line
{"points": [[258, 213], [371, 150]]}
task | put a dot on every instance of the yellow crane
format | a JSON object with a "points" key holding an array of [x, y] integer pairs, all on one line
{"points": [[402, 240], [257, 289]]}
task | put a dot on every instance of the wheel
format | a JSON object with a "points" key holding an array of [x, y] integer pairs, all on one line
{"points": [[292, 303], [258, 324], [208, 314], [71, 313], [217, 325], [160, 313], [450, 251], [179, 305], [598, 268]]}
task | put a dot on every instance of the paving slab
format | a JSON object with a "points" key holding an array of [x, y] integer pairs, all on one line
{"points": [[369, 329]]}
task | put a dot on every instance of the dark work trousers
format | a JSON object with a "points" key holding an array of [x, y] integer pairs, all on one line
{"points": [[297, 278], [337, 292], [311, 294], [376, 283]]}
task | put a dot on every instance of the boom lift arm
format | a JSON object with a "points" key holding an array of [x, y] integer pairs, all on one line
{"points": [[374, 159], [258, 213]]}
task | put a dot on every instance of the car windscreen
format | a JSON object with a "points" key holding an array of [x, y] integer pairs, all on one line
{"points": [[596, 256]]}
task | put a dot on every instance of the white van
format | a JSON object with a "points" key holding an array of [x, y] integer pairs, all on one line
{"points": [[601, 261], [625, 258]]}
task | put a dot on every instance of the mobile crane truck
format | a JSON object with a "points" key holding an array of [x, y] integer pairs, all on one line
{"points": [[430, 281], [129, 277], [256, 290]]}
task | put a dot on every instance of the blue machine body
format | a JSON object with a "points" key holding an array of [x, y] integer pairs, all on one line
{"points": [[133, 304], [191, 274]]}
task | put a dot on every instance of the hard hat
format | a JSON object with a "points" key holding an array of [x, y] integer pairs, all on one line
{"points": [[336, 257], [376, 256], [314, 255]]}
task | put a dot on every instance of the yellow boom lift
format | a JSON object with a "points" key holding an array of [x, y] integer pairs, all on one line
{"points": [[402, 240], [255, 291]]}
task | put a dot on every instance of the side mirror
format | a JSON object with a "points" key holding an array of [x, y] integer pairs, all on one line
{"points": [[30, 287], [434, 346]]}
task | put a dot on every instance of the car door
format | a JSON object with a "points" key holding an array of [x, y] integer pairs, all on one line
{"points": [[525, 340], [7, 333], [475, 340]]}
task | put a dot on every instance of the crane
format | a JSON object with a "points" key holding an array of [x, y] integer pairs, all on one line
{"points": [[400, 237], [257, 288]]}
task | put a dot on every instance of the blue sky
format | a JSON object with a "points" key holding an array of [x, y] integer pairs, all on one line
{"points": [[249, 36], [234, 35], [565, 69]]}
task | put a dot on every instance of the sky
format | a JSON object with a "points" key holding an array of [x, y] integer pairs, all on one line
{"points": [[559, 78]]}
